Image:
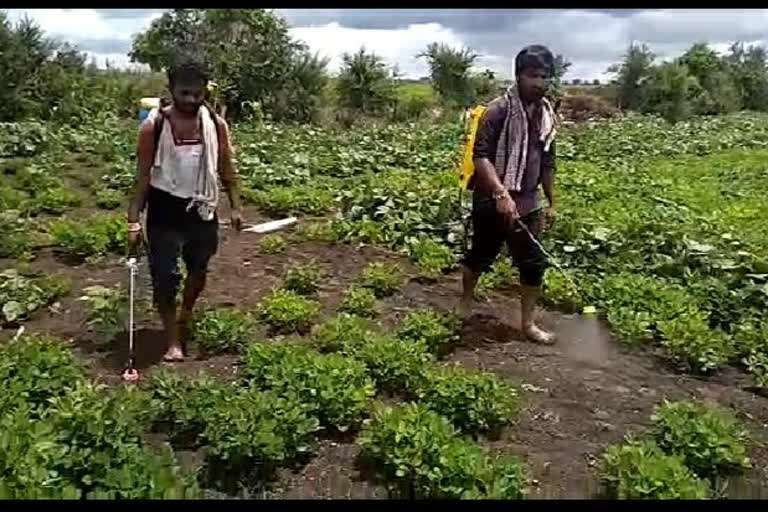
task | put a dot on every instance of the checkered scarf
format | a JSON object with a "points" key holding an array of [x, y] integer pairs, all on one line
{"points": [[512, 150]]}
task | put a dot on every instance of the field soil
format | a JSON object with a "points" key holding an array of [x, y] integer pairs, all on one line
{"points": [[580, 395]]}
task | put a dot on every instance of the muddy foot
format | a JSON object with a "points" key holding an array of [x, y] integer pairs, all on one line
{"points": [[174, 355], [537, 335], [465, 307]]}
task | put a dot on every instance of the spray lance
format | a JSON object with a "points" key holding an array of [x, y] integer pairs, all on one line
{"points": [[130, 374]]}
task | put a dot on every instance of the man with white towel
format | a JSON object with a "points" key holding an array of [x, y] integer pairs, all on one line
{"points": [[514, 154], [184, 151]]}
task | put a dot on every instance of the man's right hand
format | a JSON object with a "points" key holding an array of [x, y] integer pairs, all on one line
{"points": [[135, 239], [507, 207]]}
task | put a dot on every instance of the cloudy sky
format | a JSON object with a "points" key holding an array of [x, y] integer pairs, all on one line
{"points": [[591, 39]]}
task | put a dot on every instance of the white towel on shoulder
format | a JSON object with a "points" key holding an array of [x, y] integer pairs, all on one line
{"points": [[204, 193]]}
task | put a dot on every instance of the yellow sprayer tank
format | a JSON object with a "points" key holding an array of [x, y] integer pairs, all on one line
{"points": [[145, 105]]}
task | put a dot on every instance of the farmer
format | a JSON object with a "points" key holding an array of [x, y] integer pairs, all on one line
{"points": [[514, 152], [183, 151]]}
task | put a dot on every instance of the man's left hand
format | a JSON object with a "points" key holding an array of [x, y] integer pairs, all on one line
{"points": [[549, 217], [237, 219]]}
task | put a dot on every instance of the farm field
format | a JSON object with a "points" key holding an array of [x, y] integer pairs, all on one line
{"points": [[327, 360]]}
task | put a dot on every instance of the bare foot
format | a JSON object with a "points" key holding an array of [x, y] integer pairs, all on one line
{"points": [[464, 309], [173, 355], [185, 323], [537, 335]]}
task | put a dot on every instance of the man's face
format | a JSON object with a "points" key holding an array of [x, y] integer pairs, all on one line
{"points": [[533, 83], [188, 96]]}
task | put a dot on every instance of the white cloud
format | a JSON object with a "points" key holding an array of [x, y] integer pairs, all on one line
{"points": [[68, 23], [591, 39], [399, 46]]}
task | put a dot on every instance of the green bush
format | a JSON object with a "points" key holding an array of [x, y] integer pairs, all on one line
{"points": [[105, 457], [92, 238], [359, 301], [501, 276], [689, 340], [272, 244], [224, 330], [316, 232], [35, 369], [55, 201], [248, 433], [395, 365], [640, 470], [343, 332], [22, 295], [474, 402], [336, 386], [286, 311], [281, 201], [106, 310], [420, 451], [303, 279], [431, 256], [437, 331], [108, 199], [253, 433], [384, 279], [185, 403], [710, 441]]}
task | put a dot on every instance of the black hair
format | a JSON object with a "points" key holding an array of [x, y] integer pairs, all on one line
{"points": [[535, 56], [188, 67]]}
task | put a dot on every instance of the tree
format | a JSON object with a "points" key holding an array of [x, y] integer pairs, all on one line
{"points": [[718, 92], [670, 89], [365, 83], [748, 69], [633, 71], [560, 67], [484, 86], [251, 52], [450, 72]]}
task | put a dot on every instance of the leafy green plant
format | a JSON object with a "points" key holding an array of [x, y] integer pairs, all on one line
{"points": [[359, 301], [252, 434], [316, 232], [709, 440], [439, 332], [384, 279], [395, 365], [34, 369], [336, 386], [474, 402], [22, 295], [501, 276], [689, 339], [272, 244], [302, 279], [108, 199], [343, 332], [224, 330], [92, 238], [286, 311], [424, 456], [431, 256], [638, 469], [106, 310]]}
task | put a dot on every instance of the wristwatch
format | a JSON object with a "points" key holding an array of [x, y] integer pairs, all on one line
{"points": [[499, 195], [133, 227]]}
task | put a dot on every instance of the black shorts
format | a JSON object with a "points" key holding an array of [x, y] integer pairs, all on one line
{"points": [[170, 232], [490, 231]]}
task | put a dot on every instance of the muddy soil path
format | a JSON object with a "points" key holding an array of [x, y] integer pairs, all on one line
{"points": [[580, 395]]}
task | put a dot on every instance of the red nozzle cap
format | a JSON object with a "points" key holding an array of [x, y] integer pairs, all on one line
{"points": [[130, 375]]}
